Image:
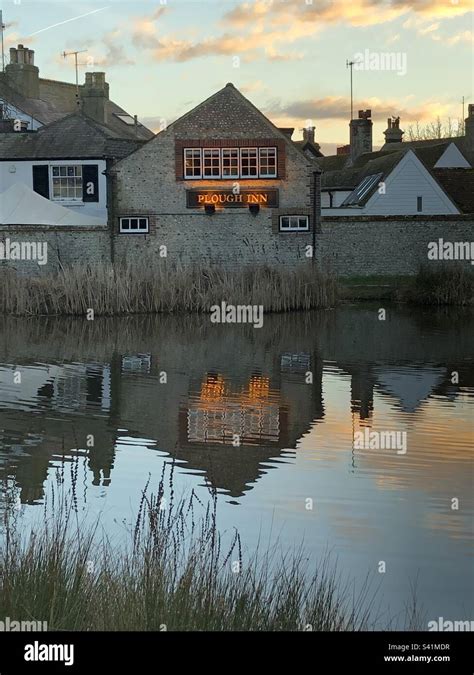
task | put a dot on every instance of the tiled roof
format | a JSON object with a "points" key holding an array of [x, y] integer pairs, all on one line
{"points": [[58, 99], [459, 185], [72, 136], [455, 182]]}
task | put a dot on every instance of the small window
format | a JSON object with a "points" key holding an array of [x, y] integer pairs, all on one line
{"points": [[268, 166], [66, 183], [211, 159], [230, 162], [419, 204], [248, 162], [135, 225], [294, 223], [192, 163]]}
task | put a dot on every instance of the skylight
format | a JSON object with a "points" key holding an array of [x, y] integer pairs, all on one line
{"points": [[128, 119], [364, 187]]}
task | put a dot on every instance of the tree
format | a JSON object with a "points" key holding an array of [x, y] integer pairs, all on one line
{"points": [[448, 129]]}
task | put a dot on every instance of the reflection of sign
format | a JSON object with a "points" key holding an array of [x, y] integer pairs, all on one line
{"points": [[229, 198]]}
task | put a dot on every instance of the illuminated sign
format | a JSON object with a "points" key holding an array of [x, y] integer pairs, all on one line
{"points": [[228, 198]]}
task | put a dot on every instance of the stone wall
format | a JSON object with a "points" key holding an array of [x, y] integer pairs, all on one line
{"points": [[65, 246], [145, 184], [397, 245], [348, 246]]}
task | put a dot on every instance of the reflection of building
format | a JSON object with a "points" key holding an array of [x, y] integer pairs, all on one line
{"points": [[219, 415], [263, 396]]}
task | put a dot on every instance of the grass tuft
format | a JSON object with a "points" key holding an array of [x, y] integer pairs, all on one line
{"points": [[167, 287]]}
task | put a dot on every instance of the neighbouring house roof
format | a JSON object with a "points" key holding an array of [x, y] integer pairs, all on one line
{"points": [[72, 136], [339, 174], [309, 147], [459, 186], [58, 99]]}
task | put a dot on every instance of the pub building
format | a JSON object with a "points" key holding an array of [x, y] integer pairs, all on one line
{"points": [[222, 184]]}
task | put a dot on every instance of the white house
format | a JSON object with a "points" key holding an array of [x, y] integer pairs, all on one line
{"points": [[64, 162]]}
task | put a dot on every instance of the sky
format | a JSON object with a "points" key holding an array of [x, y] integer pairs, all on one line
{"points": [[414, 58]]}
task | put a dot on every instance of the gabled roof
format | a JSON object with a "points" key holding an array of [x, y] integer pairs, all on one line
{"points": [[229, 112], [309, 148], [58, 99], [382, 163], [74, 135]]}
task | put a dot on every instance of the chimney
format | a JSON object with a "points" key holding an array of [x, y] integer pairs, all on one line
{"points": [[22, 74], [308, 134], [361, 134], [469, 128], [393, 133], [343, 150], [95, 94]]}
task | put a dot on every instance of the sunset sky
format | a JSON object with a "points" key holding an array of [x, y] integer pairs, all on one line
{"points": [[287, 56]]}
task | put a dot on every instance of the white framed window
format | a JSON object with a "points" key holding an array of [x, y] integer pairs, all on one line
{"points": [[192, 163], [211, 160], [294, 223], [66, 183], [230, 163], [248, 163], [134, 225], [267, 162]]}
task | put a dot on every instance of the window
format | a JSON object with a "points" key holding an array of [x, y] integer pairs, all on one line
{"points": [[211, 163], [230, 163], [248, 163], [136, 225], [362, 190], [67, 183], [192, 163], [419, 204], [268, 167], [294, 223]]}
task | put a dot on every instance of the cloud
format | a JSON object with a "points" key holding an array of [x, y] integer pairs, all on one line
{"points": [[115, 54], [351, 12], [338, 108], [466, 36]]}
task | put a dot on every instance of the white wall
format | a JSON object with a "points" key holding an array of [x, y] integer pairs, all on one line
{"points": [[409, 180], [17, 171], [452, 158]]}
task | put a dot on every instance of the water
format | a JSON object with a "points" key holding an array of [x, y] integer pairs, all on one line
{"points": [[269, 417]]}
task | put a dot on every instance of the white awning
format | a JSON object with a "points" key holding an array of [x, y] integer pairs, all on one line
{"points": [[21, 206]]}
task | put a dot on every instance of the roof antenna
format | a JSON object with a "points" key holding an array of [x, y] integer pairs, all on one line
{"points": [[65, 54], [2, 28], [350, 64]]}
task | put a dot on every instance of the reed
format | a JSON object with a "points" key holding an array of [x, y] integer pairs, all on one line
{"points": [[448, 284], [167, 287], [173, 573]]}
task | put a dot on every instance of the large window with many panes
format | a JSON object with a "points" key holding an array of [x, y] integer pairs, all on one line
{"points": [[226, 163], [67, 182]]}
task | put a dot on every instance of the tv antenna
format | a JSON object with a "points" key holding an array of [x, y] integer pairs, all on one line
{"points": [[2, 28], [65, 55], [351, 64]]}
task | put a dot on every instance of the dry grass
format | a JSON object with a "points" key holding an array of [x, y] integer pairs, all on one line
{"points": [[167, 287], [174, 572], [447, 284]]}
